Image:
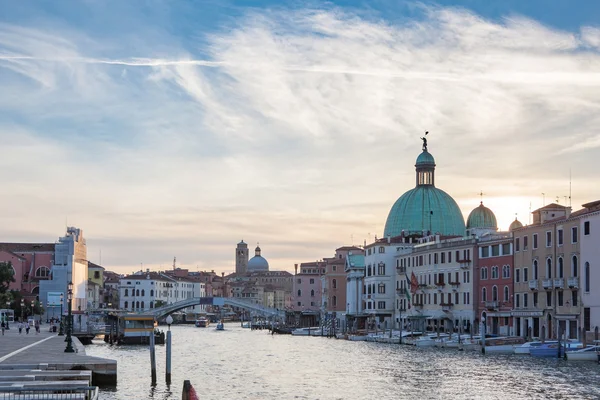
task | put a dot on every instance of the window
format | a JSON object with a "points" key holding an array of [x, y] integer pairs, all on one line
{"points": [[126, 304], [143, 294], [574, 267], [142, 305], [381, 305], [299, 304], [299, 292], [574, 234], [518, 244], [484, 273], [96, 274], [152, 304], [548, 239], [495, 272], [505, 271], [381, 269], [525, 244], [506, 249], [435, 258], [587, 319], [298, 280], [586, 275], [495, 250], [442, 257], [535, 299], [334, 300], [548, 268], [495, 293], [382, 250], [484, 294], [485, 252], [535, 242], [518, 301], [334, 283], [381, 288], [449, 256], [574, 297], [137, 292], [548, 299], [506, 293], [126, 293], [560, 298], [517, 275], [535, 269], [312, 293], [151, 293], [561, 271], [525, 300], [312, 281], [559, 239], [41, 272], [586, 228]]}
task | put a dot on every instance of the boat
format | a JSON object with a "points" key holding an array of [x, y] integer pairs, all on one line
{"points": [[137, 329], [305, 331], [202, 322], [430, 340], [590, 353], [220, 326], [246, 325], [551, 349], [503, 345], [525, 347]]}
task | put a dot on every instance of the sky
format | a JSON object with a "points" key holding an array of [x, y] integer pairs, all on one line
{"points": [[178, 128]]}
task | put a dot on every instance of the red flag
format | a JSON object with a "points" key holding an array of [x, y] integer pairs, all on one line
{"points": [[414, 283]]}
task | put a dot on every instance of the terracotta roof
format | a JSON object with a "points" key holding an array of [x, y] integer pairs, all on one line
{"points": [[344, 248], [551, 206], [27, 247], [153, 276], [92, 265], [592, 204]]}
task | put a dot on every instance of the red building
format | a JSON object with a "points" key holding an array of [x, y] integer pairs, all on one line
{"points": [[494, 283]]}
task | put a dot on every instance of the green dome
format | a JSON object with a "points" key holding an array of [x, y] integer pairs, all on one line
{"points": [[482, 217], [425, 208], [425, 158]]}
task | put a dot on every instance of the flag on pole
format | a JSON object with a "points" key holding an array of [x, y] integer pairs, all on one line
{"points": [[414, 283]]}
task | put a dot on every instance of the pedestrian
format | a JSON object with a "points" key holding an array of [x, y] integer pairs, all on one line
{"points": [[37, 326], [3, 326], [27, 327], [20, 327]]}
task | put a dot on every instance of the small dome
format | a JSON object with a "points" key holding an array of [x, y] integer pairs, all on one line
{"points": [[258, 263], [515, 225], [482, 217], [425, 158]]}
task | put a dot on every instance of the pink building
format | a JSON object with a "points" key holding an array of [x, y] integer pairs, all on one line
{"points": [[31, 262], [306, 292], [334, 280]]}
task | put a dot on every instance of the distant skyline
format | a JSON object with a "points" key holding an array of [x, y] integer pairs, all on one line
{"points": [[169, 129]]}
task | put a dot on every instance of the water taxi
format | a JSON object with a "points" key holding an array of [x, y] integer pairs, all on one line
{"points": [[202, 322], [590, 353], [137, 329]]}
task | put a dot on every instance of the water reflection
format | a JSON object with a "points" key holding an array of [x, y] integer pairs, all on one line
{"points": [[243, 364]]}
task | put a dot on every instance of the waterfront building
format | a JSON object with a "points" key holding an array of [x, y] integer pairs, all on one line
{"points": [[493, 283], [355, 273], [547, 270], [333, 283], [589, 282], [306, 293]]}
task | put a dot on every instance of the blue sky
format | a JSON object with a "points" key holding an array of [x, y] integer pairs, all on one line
{"points": [[168, 128]]}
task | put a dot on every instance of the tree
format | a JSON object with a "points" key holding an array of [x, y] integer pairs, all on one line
{"points": [[6, 276]]}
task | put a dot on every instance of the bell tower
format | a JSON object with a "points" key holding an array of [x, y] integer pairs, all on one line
{"points": [[241, 258]]}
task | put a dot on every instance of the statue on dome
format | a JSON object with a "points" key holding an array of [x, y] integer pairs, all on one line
{"points": [[424, 139]]}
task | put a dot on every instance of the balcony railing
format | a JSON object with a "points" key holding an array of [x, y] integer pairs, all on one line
{"points": [[559, 283], [446, 306], [401, 292], [491, 305], [573, 282], [547, 283], [418, 304], [440, 284], [401, 270], [533, 284]]}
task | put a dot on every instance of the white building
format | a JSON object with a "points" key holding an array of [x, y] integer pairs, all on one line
{"points": [[590, 266], [355, 272]]}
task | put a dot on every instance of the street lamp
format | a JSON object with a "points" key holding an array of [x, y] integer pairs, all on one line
{"points": [[69, 348], [61, 331], [7, 308], [169, 321], [32, 309], [22, 310]]}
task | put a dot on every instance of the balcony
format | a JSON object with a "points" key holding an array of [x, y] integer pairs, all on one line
{"points": [[455, 286], [547, 284], [401, 292], [438, 284], [368, 297], [533, 284], [401, 270], [573, 282], [418, 305], [492, 305], [559, 283], [446, 307]]}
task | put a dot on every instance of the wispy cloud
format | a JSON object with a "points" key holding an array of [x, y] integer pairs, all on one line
{"points": [[302, 124]]}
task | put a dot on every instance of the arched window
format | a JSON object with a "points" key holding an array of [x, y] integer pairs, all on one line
{"points": [[549, 268], [574, 267], [334, 300], [334, 283], [506, 293], [299, 292], [495, 293], [587, 277], [35, 290], [42, 272], [484, 294], [369, 271], [126, 304], [484, 273], [151, 304], [561, 270], [312, 293], [143, 294], [535, 269], [151, 293], [126, 292], [137, 305], [142, 305], [137, 293]]}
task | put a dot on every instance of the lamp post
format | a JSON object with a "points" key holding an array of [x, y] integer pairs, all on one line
{"points": [[169, 321], [22, 310], [61, 331], [7, 308], [69, 348], [33, 309]]}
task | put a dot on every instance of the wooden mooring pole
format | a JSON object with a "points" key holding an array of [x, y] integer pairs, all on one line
{"points": [[152, 358]]}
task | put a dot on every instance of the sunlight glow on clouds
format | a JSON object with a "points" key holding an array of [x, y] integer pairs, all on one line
{"points": [[296, 128]]}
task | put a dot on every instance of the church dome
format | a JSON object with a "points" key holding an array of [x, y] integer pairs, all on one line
{"points": [[515, 225], [425, 208], [482, 217], [258, 262]]}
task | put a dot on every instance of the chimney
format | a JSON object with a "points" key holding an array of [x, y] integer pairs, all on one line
{"points": [[296, 269]]}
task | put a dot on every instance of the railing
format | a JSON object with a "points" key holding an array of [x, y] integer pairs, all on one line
{"points": [[559, 283], [401, 292], [417, 304], [533, 284], [464, 263], [446, 306], [401, 270], [440, 284], [491, 305], [547, 283], [54, 393], [573, 282]]}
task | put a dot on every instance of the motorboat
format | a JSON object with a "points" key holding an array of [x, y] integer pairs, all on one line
{"points": [[430, 340], [246, 325], [202, 322], [220, 326], [525, 347], [503, 345], [551, 349], [590, 353], [305, 331]]}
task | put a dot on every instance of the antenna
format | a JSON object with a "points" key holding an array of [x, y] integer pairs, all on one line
{"points": [[529, 214], [569, 187], [100, 256], [481, 195], [543, 199]]}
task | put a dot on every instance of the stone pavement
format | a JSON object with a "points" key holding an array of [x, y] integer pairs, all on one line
{"points": [[46, 351]]}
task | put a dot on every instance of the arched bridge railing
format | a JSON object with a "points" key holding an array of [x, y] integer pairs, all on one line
{"points": [[215, 301]]}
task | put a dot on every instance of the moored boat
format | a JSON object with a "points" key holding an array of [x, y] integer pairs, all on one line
{"points": [[590, 353], [551, 349], [305, 331], [137, 329], [503, 345], [220, 326], [202, 322]]}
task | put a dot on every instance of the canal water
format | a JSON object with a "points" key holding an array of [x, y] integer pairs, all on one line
{"points": [[243, 364]]}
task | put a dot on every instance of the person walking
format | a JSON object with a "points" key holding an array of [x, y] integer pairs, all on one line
{"points": [[3, 326], [27, 327], [20, 327], [37, 326]]}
